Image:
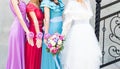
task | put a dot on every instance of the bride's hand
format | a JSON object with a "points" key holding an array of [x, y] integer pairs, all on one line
{"points": [[30, 36], [39, 43]]}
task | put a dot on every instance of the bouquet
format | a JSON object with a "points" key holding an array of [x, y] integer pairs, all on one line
{"points": [[55, 43]]}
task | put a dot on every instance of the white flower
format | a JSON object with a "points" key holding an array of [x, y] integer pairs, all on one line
{"points": [[59, 42], [53, 43]]}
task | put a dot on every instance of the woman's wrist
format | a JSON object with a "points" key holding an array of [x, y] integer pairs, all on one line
{"points": [[27, 31], [46, 35], [30, 35], [39, 35]]}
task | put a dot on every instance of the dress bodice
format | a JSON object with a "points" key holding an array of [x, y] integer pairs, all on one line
{"points": [[38, 12], [76, 11], [55, 10], [22, 7], [75, 14]]}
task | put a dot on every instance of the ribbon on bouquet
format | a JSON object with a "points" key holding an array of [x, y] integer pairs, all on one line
{"points": [[56, 61]]}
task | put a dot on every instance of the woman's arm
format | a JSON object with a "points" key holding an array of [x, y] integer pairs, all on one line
{"points": [[19, 15], [39, 34], [66, 25], [23, 24], [47, 19], [34, 18]]}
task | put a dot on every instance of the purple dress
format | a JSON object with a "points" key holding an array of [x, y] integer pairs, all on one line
{"points": [[17, 40]]}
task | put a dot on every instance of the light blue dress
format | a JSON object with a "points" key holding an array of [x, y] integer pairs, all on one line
{"points": [[55, 25]]}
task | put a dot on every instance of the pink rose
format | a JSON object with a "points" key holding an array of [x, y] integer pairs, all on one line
{"points": [[54, 51], [49, 45], [61, 37]]}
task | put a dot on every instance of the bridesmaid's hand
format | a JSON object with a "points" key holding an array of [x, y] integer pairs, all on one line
{"points": [[45, 41], [39, 43], [30, 36], [46, 36], [30, 41]]}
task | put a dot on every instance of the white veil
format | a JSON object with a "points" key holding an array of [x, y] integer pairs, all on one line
{"points": [[69, 4]]}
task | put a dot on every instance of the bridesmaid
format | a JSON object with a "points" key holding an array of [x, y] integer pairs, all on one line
{"points": [[17, 35], [53, 10], [33, 52]]}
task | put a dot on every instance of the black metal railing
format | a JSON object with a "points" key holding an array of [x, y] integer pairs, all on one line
{"points": [[111, 22]]}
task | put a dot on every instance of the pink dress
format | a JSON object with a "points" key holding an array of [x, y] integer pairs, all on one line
{"points": [[17, 40]]}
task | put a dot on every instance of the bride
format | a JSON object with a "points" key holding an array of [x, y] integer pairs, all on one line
{"points": [[81, 49]]}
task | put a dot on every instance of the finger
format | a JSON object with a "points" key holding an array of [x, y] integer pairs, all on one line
{"points": [[29, 42], [32, 42], [39, 44]]}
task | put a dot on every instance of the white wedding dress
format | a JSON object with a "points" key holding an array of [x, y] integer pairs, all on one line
{"points": [[81, 48]]}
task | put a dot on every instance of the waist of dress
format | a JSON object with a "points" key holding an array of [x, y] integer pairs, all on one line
{"points": [[81, 22], [56, 19], [40, 23]]}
